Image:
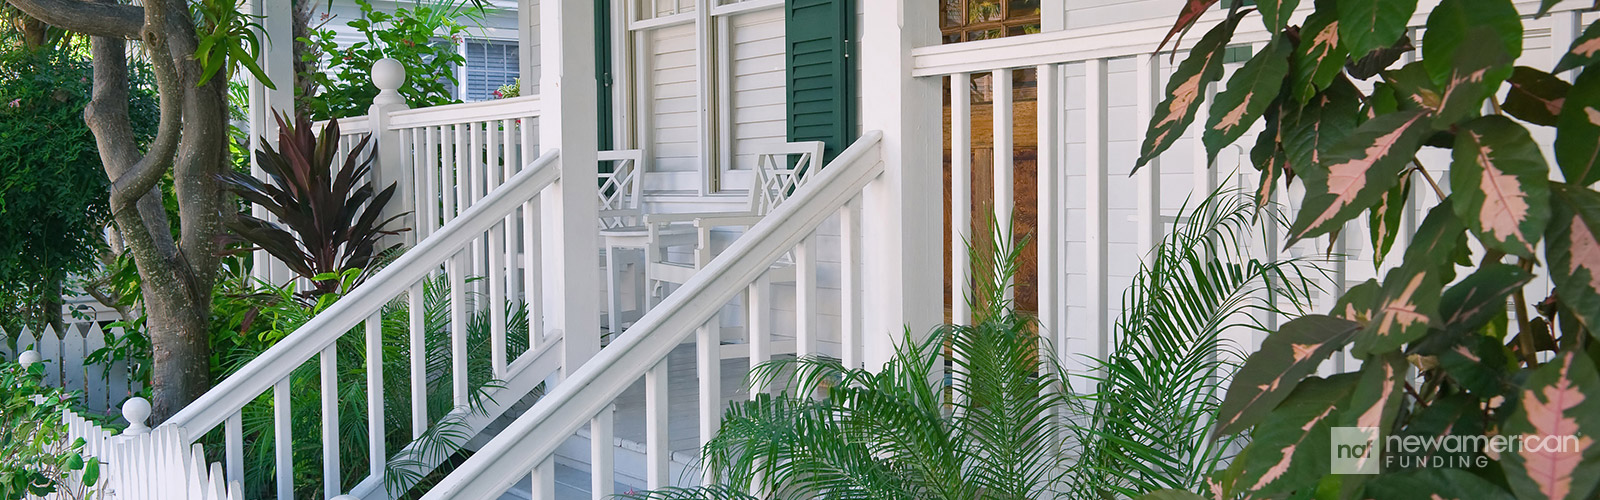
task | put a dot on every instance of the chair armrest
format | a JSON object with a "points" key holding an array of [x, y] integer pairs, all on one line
{"points": [[728, 220], [689, 216]]}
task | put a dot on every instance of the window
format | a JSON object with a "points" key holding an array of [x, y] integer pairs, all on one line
{"points": [[490, 64], [968, 20]]}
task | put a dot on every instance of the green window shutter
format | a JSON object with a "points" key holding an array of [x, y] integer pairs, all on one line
{"points": [[603, 72], [820, 85]]}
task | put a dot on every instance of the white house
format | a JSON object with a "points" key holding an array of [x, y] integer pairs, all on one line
{"points": [[741, 242]]}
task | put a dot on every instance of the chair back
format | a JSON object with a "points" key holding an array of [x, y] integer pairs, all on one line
{"points": [[621, 189], [776, 177]]}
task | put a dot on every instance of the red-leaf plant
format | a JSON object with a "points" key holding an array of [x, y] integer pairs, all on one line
{"points": [[327, 220]]}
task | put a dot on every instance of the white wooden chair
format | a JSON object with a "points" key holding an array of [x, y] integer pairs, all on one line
{"points": [[622, 229], [775, 179]]}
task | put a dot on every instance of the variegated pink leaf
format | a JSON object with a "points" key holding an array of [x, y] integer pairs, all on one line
{"points": [[1357, 172], [1573, 252], [1286, 356], [1192, 9], [1292, 447], [1578, 131], [1377, 396], [1501, 184], [1535, 96], [1186, 90], [1407, 305], [1584, 51], [1385, 218], [1250, 91], [1556, 419]]}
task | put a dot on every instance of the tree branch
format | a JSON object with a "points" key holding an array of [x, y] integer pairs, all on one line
{"points": [[132, 184], [87, 17]]}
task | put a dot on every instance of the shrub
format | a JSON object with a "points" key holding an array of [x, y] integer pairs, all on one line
{"points": [[423, 39], [35, 457]]}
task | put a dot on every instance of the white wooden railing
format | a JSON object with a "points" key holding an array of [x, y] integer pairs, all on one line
{"points": [[587, 395], [1096, 91], [402, 280]]}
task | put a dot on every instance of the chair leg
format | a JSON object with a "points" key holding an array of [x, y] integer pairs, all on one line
{"points": [[612, 273]]}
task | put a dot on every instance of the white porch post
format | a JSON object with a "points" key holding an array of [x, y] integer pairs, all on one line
{"points": [[277, 60], [388, 158], [568, 123], [901, 212]]}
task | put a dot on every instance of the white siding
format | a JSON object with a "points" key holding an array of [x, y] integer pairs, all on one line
{"points": [[757, 73], [672, 128]]}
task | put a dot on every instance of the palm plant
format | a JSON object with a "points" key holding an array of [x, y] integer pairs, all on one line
{"points": [[893, 433], [1146, 426], [328, 219]]}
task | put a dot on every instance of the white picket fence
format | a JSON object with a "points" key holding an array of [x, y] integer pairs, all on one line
{"points": [[139, 463], [103, 388]]}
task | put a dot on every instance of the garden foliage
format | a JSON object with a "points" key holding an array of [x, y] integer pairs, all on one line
{"points": [[1449, 340]]}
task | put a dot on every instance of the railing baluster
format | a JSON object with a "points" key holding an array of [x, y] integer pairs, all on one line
{"points": [[544, 480], [377, 456], [284, 442], [459, 308], [507, 158], [658, 456], [419, 360], [1049, 280], [758, 330], [805, 297], [532, 268], [960, 196], [463, 168], [330, 420], [1095, 162], [602, 455], [233, 446], [497, 301], [1003, 167], [850, 283], [479, 176], [447, 173], [430, 171], [419, 191], [708, 366]]}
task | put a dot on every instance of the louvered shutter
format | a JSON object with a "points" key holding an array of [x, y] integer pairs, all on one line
{"points": [[821, 88]]}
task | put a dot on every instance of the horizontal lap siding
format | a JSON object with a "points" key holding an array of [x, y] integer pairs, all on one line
{"points": [[674, 120], [757, 73]]}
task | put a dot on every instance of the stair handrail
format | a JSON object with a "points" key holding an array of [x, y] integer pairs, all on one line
{"points": [[589, 389], [278, 362]]}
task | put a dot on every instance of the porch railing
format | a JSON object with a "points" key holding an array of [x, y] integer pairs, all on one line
{"points": [[587, 396]]}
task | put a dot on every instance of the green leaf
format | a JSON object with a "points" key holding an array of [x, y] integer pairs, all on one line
{"points": [[1467, 305], [1186, 90], [1378, 395], [1328, 118], [1384, 220], [1501, 184], [1368, 25], [1438, 242], [1535, 96], [1478, 362], [1291, 449], [1450, 27], [1275, 13], [1249, 92], [91, 472], [1285, 357], [1319, 57], [1378, 60], [1557, 406], [1585, 50], [1406, 306], [1268, 155], [1479, 67], [1573, 251], [1434, 483], [1413, 89], [1544, 7], [1356, 303], [1357, 171], [1578, 131]]}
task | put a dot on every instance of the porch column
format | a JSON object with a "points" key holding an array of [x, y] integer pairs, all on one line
{"points": [[571, 206], [277, 60], [902, 218]]}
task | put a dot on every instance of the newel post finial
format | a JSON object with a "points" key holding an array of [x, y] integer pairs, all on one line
{"points": [[136, 410], [28, 358], [388, 75]]}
